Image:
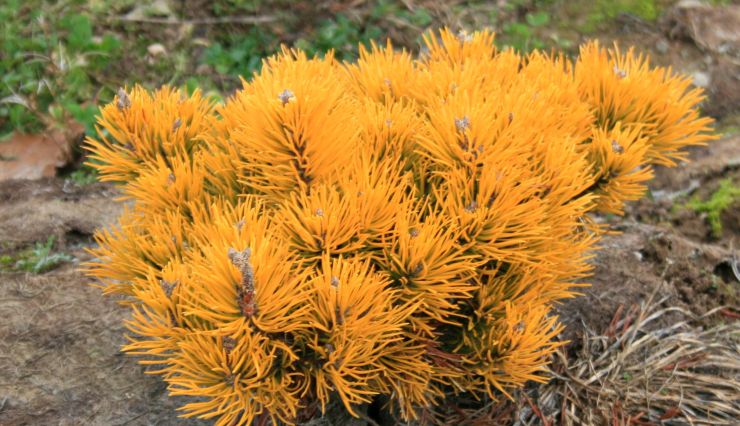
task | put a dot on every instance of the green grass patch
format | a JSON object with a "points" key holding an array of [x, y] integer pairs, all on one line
{"points": [[725, 196], [39, 259], [596, 15], [49, 65], [83, 176]]}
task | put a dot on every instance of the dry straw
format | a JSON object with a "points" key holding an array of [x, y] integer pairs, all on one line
{"points": [[654, 365]]}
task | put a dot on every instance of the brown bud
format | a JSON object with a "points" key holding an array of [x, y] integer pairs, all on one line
{"points": [[462, 124], [418, 269], [168, 287], [286, 96], [620, 72], [124, 102], [229, 344], [245, 292], [463, 36], [616, 147]]}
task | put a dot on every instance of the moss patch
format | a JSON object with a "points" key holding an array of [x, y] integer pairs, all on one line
{"points": [[727, 194]]}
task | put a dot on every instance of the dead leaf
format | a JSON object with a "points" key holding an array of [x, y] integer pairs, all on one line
{"points": [[35, 156]]}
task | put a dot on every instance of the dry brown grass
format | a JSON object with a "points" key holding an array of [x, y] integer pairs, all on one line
{"points": [[653, 365]]}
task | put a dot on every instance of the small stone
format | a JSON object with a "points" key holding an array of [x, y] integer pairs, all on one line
{"points": [[662, 46], [152, 8], [203, 69], [156, 49], [701, 79]]}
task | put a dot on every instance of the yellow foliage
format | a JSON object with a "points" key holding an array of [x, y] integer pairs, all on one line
{"points": [[394, 226]]}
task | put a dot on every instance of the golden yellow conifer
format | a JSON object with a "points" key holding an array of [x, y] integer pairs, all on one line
{"points": [[396, 227]]}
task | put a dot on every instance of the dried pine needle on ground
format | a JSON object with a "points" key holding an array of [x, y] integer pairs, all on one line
{"points": [[653, 365]]}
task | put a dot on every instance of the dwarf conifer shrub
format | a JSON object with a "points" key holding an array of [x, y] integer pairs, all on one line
{"points": [[396, 226]]}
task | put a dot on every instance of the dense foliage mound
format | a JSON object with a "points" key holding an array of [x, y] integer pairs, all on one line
{"points": [[396, 226]]}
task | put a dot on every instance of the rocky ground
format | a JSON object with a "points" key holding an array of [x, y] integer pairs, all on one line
{"points": [[654, 339]]}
